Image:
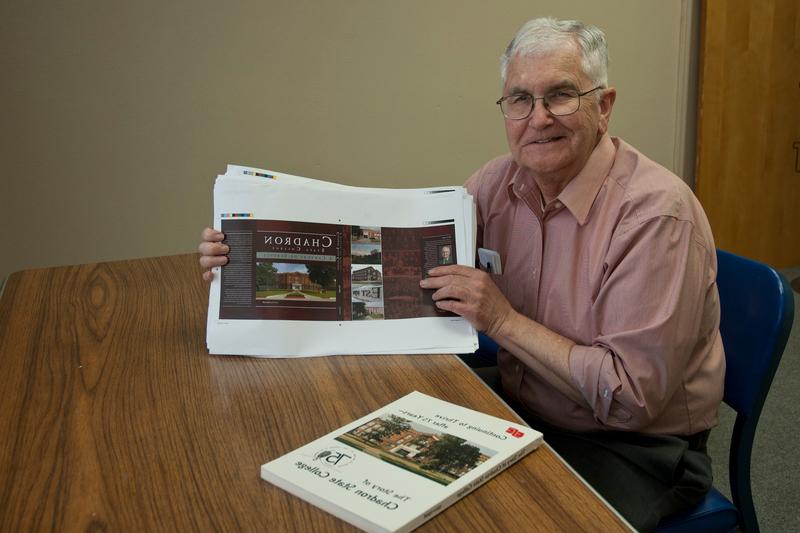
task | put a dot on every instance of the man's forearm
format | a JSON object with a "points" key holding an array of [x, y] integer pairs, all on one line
{"points": [[541, 349]]}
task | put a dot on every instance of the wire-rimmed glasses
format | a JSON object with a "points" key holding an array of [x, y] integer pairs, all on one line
{"points": [[561, 102]]}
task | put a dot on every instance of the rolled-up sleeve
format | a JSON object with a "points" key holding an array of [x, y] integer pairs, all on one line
{"points": [[646, 317]]}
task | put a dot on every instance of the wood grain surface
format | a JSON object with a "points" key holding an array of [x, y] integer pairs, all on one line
{"points": [[114, 417], [748, 144]]}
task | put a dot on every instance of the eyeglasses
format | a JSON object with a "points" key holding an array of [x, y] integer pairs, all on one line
{"points": [[562, 102]]}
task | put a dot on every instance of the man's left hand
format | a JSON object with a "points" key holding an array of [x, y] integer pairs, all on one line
{"points": [[470, 293]]}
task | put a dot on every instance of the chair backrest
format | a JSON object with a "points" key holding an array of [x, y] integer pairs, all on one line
{"points": [[757, 311]]}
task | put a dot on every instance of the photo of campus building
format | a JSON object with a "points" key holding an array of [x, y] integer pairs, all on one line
{"points": [[368, 274], [296, 281], [365, 234], [440, 457], [366, 253], [367, 301], [367, 292], [365, 245]]}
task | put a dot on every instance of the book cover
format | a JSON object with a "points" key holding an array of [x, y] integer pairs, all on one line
{"points": [[287, 270], [400, 465]]}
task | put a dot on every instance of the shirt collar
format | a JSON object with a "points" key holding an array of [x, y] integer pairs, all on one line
{"points": [[580, 193]]}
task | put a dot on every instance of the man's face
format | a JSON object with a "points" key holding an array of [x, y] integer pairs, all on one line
{"points": [[555, 148]]}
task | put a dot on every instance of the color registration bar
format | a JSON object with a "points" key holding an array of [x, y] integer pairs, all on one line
{"points": [[259, 174]]}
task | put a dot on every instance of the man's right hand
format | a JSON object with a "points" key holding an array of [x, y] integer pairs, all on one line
{"points": [[212, 251]]}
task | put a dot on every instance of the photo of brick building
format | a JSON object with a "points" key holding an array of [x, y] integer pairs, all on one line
{"points": [[439, 456], [368, 274]]}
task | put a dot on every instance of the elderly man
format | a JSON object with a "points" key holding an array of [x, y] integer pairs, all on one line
{"points": [[607, 312]]}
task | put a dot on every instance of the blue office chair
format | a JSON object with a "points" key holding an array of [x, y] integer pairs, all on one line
{"points": [[757, 313]]}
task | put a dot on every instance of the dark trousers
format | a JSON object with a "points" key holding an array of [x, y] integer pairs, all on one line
{"points": [[644, 477]]}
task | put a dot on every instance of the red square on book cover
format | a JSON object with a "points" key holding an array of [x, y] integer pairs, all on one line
{"points": [[515, 433]]}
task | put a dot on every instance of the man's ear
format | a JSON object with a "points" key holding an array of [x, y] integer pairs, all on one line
{"points": [[606, 104]]}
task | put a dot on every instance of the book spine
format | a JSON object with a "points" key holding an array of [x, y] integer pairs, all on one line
{"points": [[472, 485]]}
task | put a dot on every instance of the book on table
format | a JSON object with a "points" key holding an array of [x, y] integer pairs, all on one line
{"points": [[397, 467], [318, 268]]}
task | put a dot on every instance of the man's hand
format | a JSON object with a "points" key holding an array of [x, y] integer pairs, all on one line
{"points": [[212, 251], [470, 293]]}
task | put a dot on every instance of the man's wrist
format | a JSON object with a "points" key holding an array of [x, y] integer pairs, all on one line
{"points": [[504, 328]]}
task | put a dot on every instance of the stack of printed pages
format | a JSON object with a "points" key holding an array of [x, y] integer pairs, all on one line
{"points": [[319, 268]]}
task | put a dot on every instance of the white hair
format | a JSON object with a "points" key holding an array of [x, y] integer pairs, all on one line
{"points": [[543, 35]]}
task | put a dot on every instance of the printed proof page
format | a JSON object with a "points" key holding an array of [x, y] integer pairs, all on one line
{"points": [[317, 268]]}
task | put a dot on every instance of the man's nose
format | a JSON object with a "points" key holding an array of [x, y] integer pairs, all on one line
{"points": [[540, 116]]}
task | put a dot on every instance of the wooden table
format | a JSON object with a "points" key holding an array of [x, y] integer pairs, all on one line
{"points": [[114, 417]]}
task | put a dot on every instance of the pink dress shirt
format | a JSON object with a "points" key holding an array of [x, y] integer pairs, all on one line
{"points": [[623, 263]]}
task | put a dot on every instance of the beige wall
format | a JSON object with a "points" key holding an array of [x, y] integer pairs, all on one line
{"points": [[116, 115]]}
